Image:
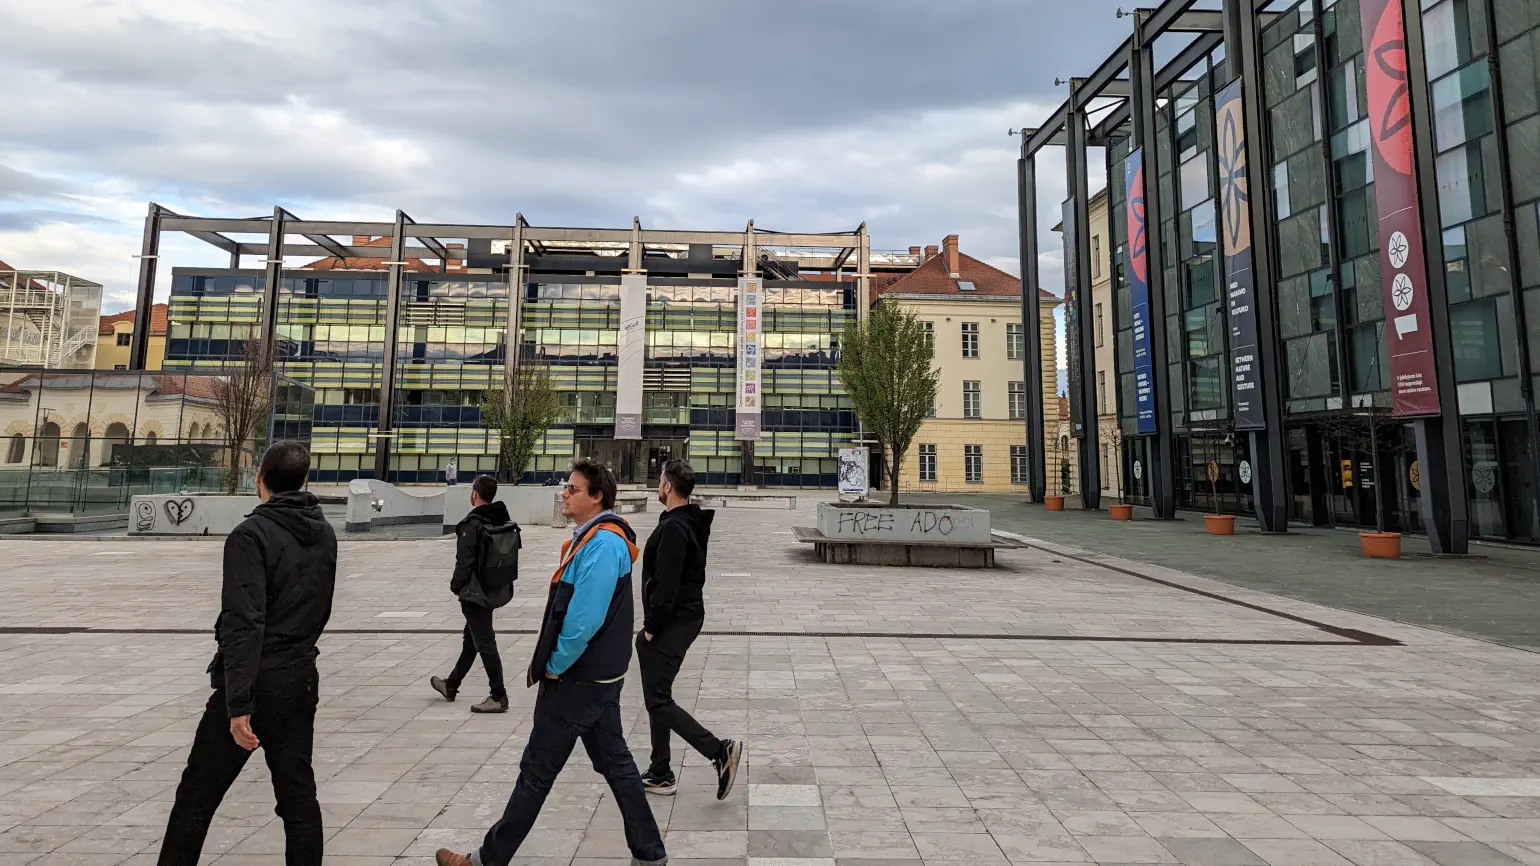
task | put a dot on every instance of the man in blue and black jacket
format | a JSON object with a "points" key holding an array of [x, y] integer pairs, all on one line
{"points": [[580, 663]]}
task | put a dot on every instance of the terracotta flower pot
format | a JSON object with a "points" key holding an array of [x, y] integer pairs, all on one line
{"points": [[1381, 545], [1220, 524], [1054, 503], [1121, 512]]}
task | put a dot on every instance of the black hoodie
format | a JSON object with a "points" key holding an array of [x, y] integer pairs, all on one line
{"points": [[466, 580], [674, 568], [279, 572]]}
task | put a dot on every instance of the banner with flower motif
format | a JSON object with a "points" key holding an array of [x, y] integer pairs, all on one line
{"points": [[1240, 281], [1139, 293]]}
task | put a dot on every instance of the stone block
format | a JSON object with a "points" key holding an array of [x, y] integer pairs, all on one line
{"points": [[934, 523]]}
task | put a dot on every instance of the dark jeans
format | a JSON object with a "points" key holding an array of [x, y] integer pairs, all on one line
{"points": [[284, 720], [660, 659], [566, 712], [479, 638]]}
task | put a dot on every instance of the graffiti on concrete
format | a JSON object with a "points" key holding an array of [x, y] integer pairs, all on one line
{"points": [[922, 522], [865, 522], [179, 510], [144, 516]]}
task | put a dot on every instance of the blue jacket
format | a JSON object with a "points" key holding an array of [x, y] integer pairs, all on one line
{"points": [[585, 634]]}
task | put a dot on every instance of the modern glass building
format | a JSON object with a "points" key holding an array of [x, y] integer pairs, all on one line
{"points": [[388, 344], [1343, 266]]}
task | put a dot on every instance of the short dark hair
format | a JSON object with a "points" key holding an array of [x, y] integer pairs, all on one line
{"points": [[681, 476], [285, 466], [600, 479], [485, 486]]}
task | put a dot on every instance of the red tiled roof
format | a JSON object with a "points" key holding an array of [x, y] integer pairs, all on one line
{"points": [[932, 278], [157, 320]]}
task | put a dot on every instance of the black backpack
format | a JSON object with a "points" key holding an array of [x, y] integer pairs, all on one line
{"points": [[498, 564]]}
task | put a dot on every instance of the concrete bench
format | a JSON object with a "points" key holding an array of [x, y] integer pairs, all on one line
{"points": [[922, 554], [720, 499]]}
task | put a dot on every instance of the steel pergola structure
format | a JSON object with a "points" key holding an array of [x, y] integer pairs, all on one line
{"points": [[288, 235]]}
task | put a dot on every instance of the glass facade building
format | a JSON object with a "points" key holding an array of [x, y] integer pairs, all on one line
{"points": [[1330, 317], [561, 307]]}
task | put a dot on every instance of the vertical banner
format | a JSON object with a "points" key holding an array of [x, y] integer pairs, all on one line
{"points": [[631, 354], [1403, 260], [1139, 291], [1072, 347], [750, 344], [1240, 280]]}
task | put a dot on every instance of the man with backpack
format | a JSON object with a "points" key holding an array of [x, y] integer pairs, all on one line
{"points": [[486, 565]]}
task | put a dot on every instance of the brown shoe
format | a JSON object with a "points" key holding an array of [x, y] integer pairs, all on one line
{"points": [[446, 857], [491, 705]]}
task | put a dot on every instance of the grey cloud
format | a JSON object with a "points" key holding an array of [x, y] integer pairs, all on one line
{"points": [[26, 220]]}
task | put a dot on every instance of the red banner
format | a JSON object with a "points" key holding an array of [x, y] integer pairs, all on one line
{"points": [[1403, 259]]}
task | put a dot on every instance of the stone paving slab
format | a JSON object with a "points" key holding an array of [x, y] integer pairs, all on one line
{"points": [[866, 744]]}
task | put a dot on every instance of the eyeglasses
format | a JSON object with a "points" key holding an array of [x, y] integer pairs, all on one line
{"points": [[573, 489]]}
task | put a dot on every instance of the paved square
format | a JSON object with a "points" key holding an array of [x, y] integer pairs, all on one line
{"points": [[1066, 708]]}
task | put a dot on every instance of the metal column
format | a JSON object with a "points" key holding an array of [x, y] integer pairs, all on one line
{"points": [[385, 426], [1031, 323], [273, 267], [1269, 448], [1161, 451], [513, 343], [144, 300], [1446, 499], [1075, 164]]}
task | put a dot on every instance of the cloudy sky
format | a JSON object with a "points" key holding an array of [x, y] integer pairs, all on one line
{"points": [[805, 115]]}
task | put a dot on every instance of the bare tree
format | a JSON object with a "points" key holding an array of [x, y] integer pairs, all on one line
{"points": [[520, 413], [1112, 438], [243, 400], [1363, 429], [887, 367]]}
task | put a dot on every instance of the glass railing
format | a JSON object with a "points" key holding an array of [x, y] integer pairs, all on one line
{"points": [[44, 490]]}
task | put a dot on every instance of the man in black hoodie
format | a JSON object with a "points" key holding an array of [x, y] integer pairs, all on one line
{"points": [[478, 597], [673, 577], [280, 567]]}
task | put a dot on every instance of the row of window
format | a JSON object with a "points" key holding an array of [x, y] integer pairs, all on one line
{"points": [[1015, 342], [973, 464]]}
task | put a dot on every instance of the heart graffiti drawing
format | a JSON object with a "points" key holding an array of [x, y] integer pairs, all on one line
{"points": [[179, 511]]}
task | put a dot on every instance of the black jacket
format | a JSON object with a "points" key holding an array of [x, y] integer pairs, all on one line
{"points": [[466, 581], [674, 568], [279, 572], [608, 654]]}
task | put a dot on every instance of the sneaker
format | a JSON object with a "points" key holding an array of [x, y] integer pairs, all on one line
{"points": [[446, 857], [727, 767], [636, 862], [443, 687], [663, 784], [491, 705]]}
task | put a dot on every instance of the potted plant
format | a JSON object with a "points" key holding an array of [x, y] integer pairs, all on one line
{"points": [[1361, 430], [1054, 501], [1212, 437], [1112, 435]]}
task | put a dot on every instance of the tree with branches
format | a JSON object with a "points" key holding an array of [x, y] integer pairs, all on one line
{"points": [[520, 413], [243, 402], [1112, 438], [887, 368], [1364, 430]]}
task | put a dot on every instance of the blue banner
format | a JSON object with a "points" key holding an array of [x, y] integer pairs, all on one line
{"points": [[1139, 291]]}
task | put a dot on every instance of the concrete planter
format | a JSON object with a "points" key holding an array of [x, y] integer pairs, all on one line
{"points": [[188, 514], [913, 523], [528, 505]]}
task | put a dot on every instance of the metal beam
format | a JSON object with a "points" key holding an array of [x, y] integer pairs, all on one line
{"points": [[1160, 449], [1169, 74], [1080, 196], [325, 242], [1041, 137], [272, 266], [290, 249], [1150, 23], [513, 343], [385, 425], [1197, 21], [1031, 325], [1105, 75], [144, 297]]}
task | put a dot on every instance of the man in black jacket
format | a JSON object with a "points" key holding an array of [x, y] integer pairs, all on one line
{"points": [[477, 600], [280, 567], [673, 577]]}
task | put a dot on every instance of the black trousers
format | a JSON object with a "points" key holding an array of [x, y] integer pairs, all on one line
{"points": [[284, 720], [479, 638], [660, 660], [566, 712]]}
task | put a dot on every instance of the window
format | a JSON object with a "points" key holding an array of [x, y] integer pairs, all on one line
{"points": [[966, 286], [1018, 464], [17, 449], [973, 464], [927, 463], [1015, 341], [1106, 475], [1101, 391], [1100, 326], [970, 339], [120, 366], [125, 338], [971, 406], [1017, 394], [1096, 257], [930, 337]]}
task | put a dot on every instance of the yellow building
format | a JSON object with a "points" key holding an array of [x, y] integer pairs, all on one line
{"points": [[976, 443], [1108, 434], [117, 333]]}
